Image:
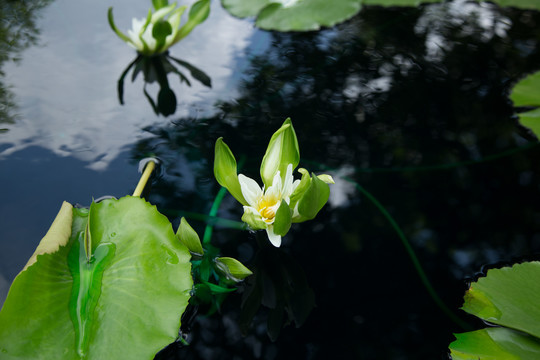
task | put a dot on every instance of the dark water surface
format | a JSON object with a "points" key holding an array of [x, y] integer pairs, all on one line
{"points": [[408, 104]]}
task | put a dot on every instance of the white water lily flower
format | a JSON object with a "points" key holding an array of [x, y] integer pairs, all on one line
{"points": [[264, 204], [136, 37], [161, 29]]}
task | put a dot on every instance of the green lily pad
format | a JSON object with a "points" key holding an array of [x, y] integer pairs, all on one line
{"points": [[507, 297], [522, 4], [125, 303], [527, 93], [398, 2], [305, 15], [495, 344], [294, 15]]}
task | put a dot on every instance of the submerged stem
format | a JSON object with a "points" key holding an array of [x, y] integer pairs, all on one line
{"points": [[150, 166], [215, 206], [412, 256]]}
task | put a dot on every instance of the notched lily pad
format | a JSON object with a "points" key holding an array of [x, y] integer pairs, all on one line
{"points": [[125, 303], [294, 15], [526, 93], [507, 297]]}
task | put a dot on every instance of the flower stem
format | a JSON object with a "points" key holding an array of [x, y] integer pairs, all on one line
{"points": [[410, 251], [150, 166], [215, 207]]}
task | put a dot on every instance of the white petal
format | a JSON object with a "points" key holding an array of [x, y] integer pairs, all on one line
{"points": [[250, 190], [276, 182], [287, 184], [274, 239], [148, 38], [133, 33], [252, 210]]}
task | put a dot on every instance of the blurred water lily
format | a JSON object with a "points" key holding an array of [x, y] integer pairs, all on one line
{"points": [[161, 29], [281, 200]]}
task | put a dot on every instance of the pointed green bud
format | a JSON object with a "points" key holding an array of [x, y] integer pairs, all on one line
{"points": [[326, 178], [313, 199], [253, 219], [282, 150], [225, 170], [189, 237], [283, 220], [233, 268]]}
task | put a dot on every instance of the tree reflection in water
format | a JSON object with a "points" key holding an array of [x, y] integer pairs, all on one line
{"points": [[429, 133]]}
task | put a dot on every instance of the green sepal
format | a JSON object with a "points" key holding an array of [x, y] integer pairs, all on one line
{"points": [[216, 289], [158, 4], [120, 34], [233, 268], [254, 221], [160, 30], [283, 219], [146, 49], [282, 150], [198, 13], [326, 178], [225, 170], [301, 188], [313, 199], [189, 237]]}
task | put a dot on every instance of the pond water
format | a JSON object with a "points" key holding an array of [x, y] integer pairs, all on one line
{"points": [[406, 107]]}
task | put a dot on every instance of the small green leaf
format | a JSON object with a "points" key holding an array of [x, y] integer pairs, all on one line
{"points": [[225, 170], [314, 199], [282, 150], [283, 219], [189, 237], [235, 268]]}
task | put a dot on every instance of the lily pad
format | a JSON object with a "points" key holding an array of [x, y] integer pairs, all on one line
{"points": [[522, 4], [526, 93], [305, 15], [125, 302], [507, 297], [293, 15], [398, 2]]}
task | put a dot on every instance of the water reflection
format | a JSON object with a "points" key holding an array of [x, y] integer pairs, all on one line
{"points": [[156, 69], [18, 31], [432, 139]]}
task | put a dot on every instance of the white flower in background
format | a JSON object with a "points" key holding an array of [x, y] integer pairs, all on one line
{"points": [[139, 35], [282, 200], [161, 29], [264, 204]]}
